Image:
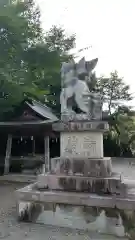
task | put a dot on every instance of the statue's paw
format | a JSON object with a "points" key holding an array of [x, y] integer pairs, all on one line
{"points": [[68, 112], [65, 112], [72, 112]]}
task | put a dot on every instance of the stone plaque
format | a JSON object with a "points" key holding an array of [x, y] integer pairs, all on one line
{"points": [[82, 144], [81, 126]]}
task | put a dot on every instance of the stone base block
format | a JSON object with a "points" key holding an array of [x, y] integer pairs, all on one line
{"points": [[84, 166], [32, 194], [80, 184], [79, 218]]}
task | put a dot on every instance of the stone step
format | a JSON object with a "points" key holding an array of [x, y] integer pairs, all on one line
{"points": [[129, 183], [32, 194], [111, 185], [94, 167], [129, 186]]}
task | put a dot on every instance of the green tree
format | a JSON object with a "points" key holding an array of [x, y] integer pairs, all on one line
{"points": [[122, 132], [114, 91], [57, 40], [19, 31], [45, 69], [29, 60]]}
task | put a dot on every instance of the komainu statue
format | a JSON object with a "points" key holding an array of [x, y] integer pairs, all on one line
{"points": [[75, 91]]}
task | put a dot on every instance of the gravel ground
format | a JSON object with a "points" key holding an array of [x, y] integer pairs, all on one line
{"points": [[10, 229], [126, 168]]}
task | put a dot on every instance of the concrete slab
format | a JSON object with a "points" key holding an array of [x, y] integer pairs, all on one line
{"points": [[32, 194], [10, 229]]}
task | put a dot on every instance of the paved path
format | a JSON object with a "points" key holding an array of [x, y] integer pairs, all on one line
{"points": [[124, 167], [10, 229]]}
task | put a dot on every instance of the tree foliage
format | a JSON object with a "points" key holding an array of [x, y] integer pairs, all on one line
{"points": [[19, 29], [57, 40], [114, 91], [29, 60], [58, 43], [120, 141]]}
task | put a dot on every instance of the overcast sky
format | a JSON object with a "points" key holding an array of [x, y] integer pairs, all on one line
{"points": [[107, 25]]}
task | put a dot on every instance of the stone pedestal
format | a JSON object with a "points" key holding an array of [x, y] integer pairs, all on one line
{"points": [[81, 176], [81, 138], [81, 166]]}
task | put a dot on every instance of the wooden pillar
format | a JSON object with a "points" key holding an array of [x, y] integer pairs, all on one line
{"points": [[47, 154], [33, 147], [8, 154]]}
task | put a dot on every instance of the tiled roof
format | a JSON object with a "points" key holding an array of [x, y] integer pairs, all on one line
{"points": [[42, 110]]}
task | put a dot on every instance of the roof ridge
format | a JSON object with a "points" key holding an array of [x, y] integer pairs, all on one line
{"points": [[41, 104], [42, 109]]}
